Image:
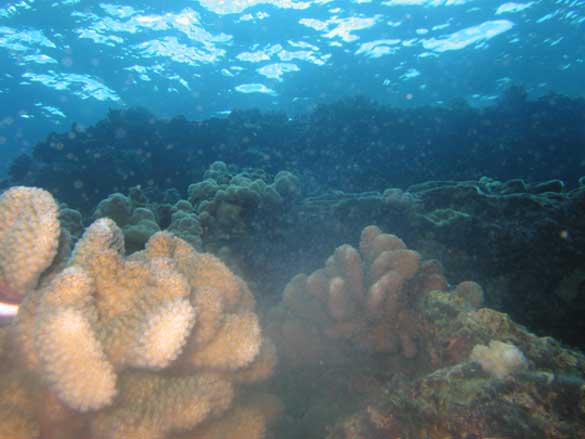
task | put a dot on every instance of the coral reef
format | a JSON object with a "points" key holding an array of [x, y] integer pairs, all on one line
{"points": [[117, 347], [126, 330], [454, 142], [165, 342], [225, 213], [540, 396], [480, 229], [486, 224], [458, 370], [226, 206]]}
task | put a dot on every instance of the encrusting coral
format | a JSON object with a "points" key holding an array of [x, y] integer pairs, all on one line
{"points": [[364, 296], [499, 359], [142, 346]]}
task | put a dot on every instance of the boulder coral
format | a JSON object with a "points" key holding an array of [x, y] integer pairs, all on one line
{"points": [[138, 223], [234, 205], [140, 218], [141, 346]]}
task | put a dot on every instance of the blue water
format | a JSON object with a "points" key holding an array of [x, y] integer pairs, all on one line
{"points": [[458, 125], [68, 61]]}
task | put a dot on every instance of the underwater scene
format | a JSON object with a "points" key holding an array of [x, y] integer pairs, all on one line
{"points": [[292, 219]]}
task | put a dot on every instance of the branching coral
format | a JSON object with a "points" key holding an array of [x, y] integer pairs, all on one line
{"points": [[29, 239], [364, 296], [155, 343]]}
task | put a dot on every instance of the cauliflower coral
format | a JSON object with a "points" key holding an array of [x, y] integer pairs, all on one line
{"points": [[149, 345]]}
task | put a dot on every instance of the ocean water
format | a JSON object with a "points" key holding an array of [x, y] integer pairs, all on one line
{"points": [[290, 219], [69, 61]]}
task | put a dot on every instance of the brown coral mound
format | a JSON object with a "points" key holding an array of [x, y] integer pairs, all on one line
{"points": [[142, 346]]}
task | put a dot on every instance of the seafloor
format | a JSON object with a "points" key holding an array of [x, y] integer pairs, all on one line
{"points": [[157, 269]]}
